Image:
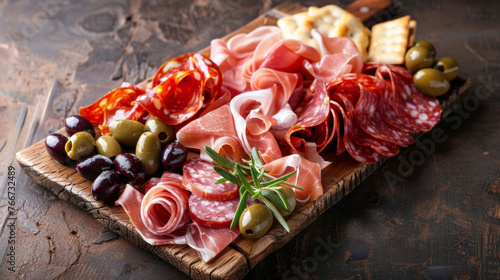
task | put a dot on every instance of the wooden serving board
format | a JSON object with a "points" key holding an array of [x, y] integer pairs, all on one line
{"points": [[338, 179]]}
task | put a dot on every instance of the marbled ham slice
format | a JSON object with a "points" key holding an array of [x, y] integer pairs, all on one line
{"points": [[339, 57], [251, 114], [209, 242], [131, 200], [242, 54], [308, 175], [163, 208], [201, 176], [216, 130]]}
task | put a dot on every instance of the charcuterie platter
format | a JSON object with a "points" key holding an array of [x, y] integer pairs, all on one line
{"points": [[339, 177]]}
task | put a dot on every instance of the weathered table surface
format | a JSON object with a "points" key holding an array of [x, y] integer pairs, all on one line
{"points": [[440, 218]]}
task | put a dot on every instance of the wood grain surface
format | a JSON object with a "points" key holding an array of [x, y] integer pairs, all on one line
{"points": [[436, 219]]}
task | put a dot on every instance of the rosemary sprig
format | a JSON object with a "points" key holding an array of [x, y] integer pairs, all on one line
{"points": [[262, 186]]}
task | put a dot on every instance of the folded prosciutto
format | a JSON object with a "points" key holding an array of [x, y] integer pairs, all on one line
{"points": [[209, 242], [161, 216]]}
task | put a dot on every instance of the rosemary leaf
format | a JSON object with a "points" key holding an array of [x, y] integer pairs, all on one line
{"points": [[256, 161], [227, 175], [220, 160], [241, 206], [276, 213], [277, 198], [243, 180]]}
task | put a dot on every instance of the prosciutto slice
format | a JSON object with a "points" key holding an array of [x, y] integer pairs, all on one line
{"points": [[217, 130], [209, 242], [339, 57], [131, 200], [308, 175]]}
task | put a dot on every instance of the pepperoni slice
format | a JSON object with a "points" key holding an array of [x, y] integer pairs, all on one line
{"points": [[212, 213], [184, 87], [200, 177], [116, 104]]}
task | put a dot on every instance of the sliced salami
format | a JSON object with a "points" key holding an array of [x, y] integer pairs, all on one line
{"points": [[368, 113], [212, 213], [312, 123], [404, 106], [358, 136], [359, 153], [200, 177]]}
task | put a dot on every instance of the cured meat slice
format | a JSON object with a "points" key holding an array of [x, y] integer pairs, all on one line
{"points": [[339, 56], [164, 207], [242, 54], [116, 104], [289, 55], [357, 135], [370, 118], [250, 112], [308, 175], [311, 126], [359, 153], [201, 176], [131, 200], [212, 213], [184, 87], [368, 115], [215, 129], [404, 106], [209, 242]]}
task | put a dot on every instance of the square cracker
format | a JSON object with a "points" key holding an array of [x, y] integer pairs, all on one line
{"points": [[389, 40]]}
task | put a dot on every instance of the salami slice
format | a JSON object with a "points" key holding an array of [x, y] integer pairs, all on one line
{"points": [[200, 177], [368, 114], [357, 135], [312, 123], [212, 213], [359, 153], [404, 106]]}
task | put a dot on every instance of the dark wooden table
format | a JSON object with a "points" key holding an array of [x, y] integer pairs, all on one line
{"points": [[437, 219]]}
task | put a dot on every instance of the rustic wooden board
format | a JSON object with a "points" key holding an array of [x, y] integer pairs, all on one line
{"points": [[340, 178]]}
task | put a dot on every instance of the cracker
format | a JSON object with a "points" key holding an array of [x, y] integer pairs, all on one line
{"points": [[329, 20], [389, 41]]}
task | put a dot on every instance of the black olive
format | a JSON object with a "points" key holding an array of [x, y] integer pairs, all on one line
{"points": [[173, 157], [131, 168], [55, 144], [106, 187], [90, 167], [77, 123]]}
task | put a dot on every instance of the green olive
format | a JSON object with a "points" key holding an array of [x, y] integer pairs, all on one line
{"points": [[255, 221], [417, 58], [107, 146], [289, 194], [428, 45], [126, 132], [448, 66], [431, 82], [148, 149], [80, 145], [164, 131]]}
